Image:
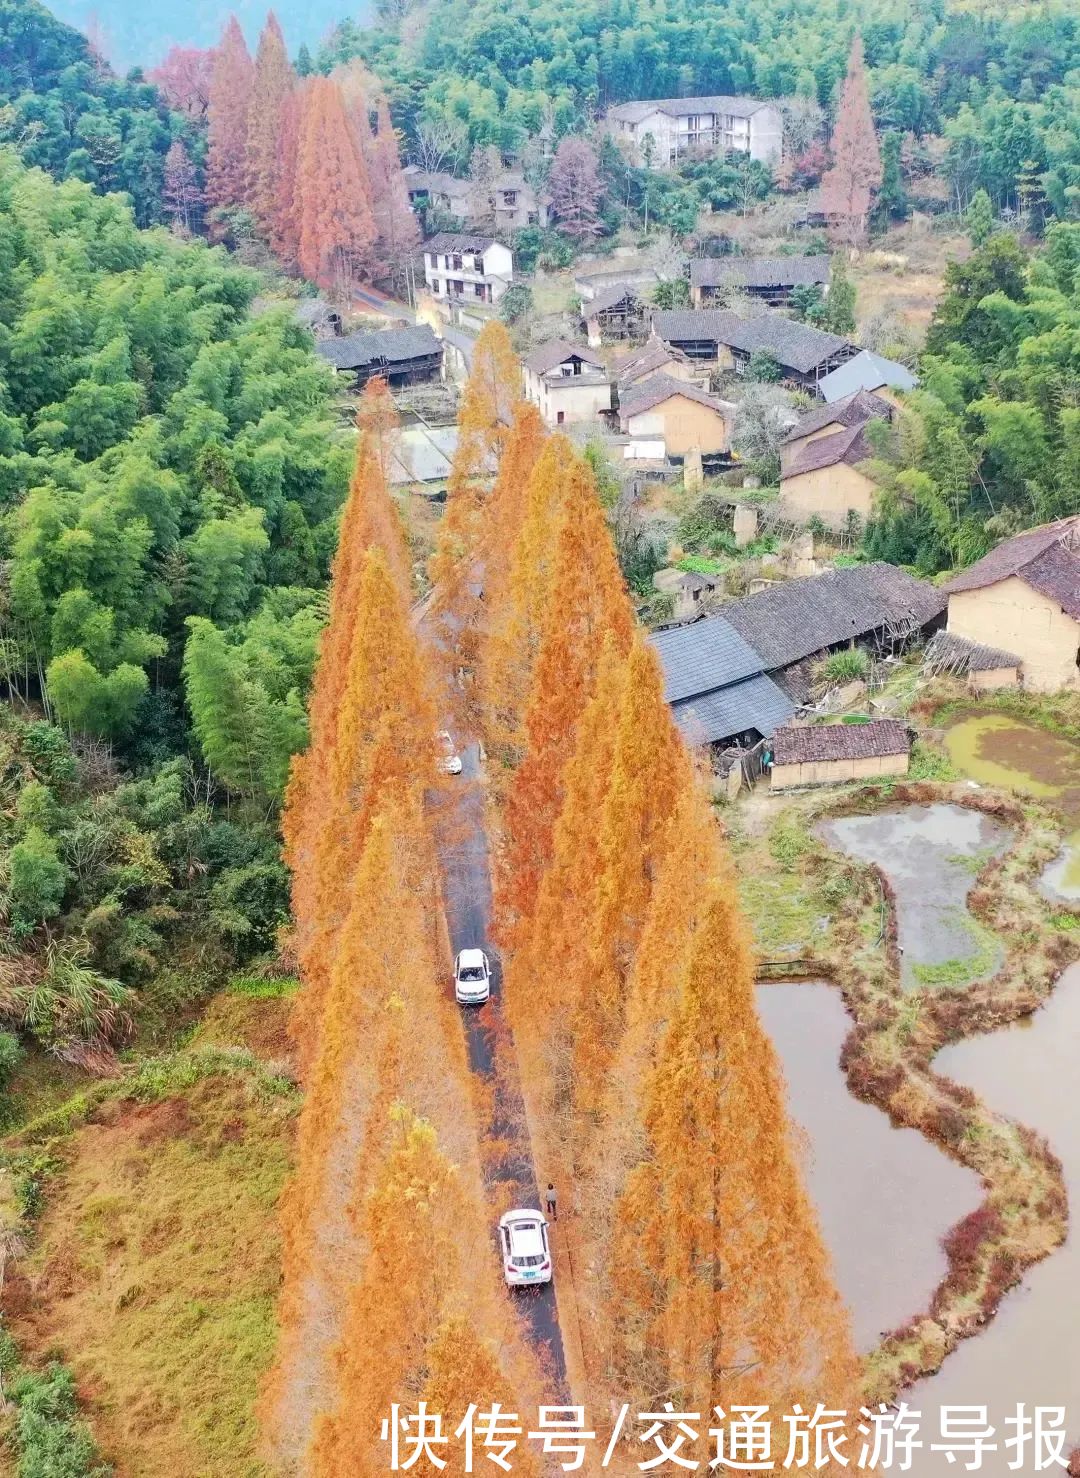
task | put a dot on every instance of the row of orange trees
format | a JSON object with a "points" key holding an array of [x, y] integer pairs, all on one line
{"points": [[629, 977], [389, 1292]]}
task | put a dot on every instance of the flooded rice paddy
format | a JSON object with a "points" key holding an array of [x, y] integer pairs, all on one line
{"points": [[931, 855], [997, 749], [1031, 1350], [885, 1196]]}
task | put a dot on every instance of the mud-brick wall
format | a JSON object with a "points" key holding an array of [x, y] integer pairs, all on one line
{"points": [[1012, 616], [836, 772]]}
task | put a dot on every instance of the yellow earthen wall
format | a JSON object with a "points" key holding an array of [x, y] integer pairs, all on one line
{"points": [[836, 772], [1018, 619], [830, 492]]}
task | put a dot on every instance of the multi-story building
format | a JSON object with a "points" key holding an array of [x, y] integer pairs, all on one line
{"points": [[566, 383], [661, 132], [468, 268]]}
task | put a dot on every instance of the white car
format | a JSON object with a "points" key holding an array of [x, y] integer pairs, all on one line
{"points": [[526, 1255], [472, 977], [449, 759]]}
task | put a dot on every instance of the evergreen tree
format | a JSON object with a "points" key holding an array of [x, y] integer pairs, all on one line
{"points": [[839, 314], [892, 201], [979, 219]]}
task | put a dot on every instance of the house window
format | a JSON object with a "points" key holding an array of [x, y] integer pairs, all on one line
{"points": [[478, 289], [509, 197], [560, 417], [534, 218], [456, 263], [458, 287]]}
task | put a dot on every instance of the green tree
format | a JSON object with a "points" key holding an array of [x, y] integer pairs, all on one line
{"points": [[38, 880], [839, 314], [979, 218]]}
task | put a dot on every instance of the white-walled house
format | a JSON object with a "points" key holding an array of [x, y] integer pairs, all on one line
{"points": [[469, 268], [566, 382], [662, 131]]}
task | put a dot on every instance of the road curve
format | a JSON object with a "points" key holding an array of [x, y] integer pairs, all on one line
{"points": [[467, 891]]}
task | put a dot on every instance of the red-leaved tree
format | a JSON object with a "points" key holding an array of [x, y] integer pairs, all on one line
{"points": [[184, 79], [332, 197], [273, 81], [847, 186], [575, 188], [227, 119]]}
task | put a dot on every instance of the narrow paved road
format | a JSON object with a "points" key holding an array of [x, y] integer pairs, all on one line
{"points": [[467, 888]]}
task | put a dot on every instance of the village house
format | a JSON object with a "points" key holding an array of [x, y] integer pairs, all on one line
{"points": [[320, 319], [511, 202], [828, 420], [688, 591], [768, 279], [409, 355], [1023, 600], [804, 354], [660, 132], [735, 677], [682, 416], [469, 268], [867, 371], [827, 480], [656, 356], [830, 754], [618, 312], [566, 382], [985, 668]]}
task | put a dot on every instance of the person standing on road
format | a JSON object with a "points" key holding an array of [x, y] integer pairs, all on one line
{"points": [[549, 1197]]}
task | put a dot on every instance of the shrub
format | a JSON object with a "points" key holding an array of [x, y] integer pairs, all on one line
{"points": [[51, 1441], [39, 880], [845, 666]]}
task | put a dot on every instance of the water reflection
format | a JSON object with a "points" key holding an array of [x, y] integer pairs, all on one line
{"points": [[885, 1196]]}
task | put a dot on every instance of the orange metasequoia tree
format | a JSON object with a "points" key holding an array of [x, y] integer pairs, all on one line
{"points": [[369, 520], [285, 224], [227, 119], [848, 184], [463, 1369], [332, 197], [719, 1283], [587, 604], [272, 82]]}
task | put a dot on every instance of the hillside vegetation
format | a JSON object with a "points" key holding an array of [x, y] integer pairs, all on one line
{"points": [[169, 481]]}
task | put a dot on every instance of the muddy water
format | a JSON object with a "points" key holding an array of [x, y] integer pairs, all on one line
{"points": [[997, 749], [884, 1196], [930, 855], [1031, 1351]]}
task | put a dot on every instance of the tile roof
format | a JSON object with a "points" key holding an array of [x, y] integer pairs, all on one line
{"points": [[738, 107], [546, 356], [386, 346], [866, 371], [457, 241], [796, 618], [756, 703], [704, 656], [1047, 559], [608, 298], [807, 745], [758, 271], [795, 346], [660, 387], [947, 651], [642, 362], [849, 445], [853, 410]]}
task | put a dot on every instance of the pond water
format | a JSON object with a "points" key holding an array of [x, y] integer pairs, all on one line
{"points": [[931, 855], [884, 1196], [997, 749], [1031, 1351]]}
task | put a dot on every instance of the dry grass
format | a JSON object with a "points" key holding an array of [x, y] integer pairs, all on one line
{"points": [[154, 1266]]}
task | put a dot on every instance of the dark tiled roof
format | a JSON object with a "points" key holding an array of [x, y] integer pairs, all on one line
{"points": [[795, 346], [660, 387], [457, 241], [642, 362], [810, 745], [390, 346], [849, 445], [796, 618], [546, 356], [1047, 559], [738, 107], [758, 271], [866, 371], [756, 703], [949, 652], [609, 298], [706, 655], [853, 410]]}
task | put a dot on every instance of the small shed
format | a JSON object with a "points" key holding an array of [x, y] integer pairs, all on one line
{"points": [[617, 312], [984, 667], [830, 754]]}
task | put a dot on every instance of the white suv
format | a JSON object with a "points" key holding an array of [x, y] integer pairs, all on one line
{"points": [[472, 977], [526, 1255], [449, 759]]}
